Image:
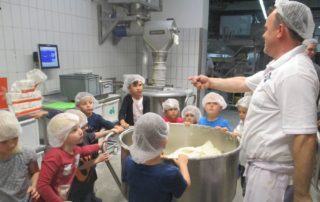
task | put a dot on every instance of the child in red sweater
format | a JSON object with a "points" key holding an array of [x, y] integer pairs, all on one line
{"points": [[171, 111], [60, 162]]}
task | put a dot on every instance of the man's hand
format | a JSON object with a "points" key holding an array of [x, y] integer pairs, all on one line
{"points": [[201, 82]]}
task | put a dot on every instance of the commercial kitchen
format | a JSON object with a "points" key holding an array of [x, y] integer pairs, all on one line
{"points": [[97, 44]]}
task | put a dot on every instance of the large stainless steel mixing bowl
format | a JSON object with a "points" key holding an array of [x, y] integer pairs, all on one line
{"points": [[213, 179]]}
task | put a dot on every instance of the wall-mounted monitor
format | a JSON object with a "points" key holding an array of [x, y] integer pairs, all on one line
{"points": [[48, 56]]}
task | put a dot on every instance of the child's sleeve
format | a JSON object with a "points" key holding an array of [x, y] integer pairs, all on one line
{"points": [[123, 108], [52, 113], [49, 168], [105, 123], [146, 105], [88, 149]]}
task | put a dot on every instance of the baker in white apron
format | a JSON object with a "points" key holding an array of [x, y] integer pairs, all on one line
{"points": [[279, 137]]}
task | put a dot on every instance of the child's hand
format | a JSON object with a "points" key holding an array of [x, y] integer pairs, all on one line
{"points": [[124, 124], [223, 130], [33, 192], [39, 114], [235, 135], [182, 160], [102, 157], [117, 129], [186, 123]]}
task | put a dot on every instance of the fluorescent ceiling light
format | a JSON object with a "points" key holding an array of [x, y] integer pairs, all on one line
{"points": [[263, 9]]}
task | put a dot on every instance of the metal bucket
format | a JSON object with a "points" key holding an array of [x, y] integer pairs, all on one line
{"points": [[212, 178], [157, 96]]}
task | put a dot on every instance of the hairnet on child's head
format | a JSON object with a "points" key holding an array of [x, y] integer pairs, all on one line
{"points": [[83, 120], [214, 97], [170, 103], [84, 95], [59, 128], [191, 109], [149, 137], [9, 126], [310, 41], [130, 79], [244, 101], [297, 16]]}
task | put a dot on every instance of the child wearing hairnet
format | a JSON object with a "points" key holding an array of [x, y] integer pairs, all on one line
{"points": [[82, 188], [213, 104], [171, 111], [59, 164], [85, 102], [242, 105], [190, 114], [134, 104], [18, 165], [148, 177]]}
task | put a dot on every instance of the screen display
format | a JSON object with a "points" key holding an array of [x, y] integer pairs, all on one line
{"points": [[48, 55]]}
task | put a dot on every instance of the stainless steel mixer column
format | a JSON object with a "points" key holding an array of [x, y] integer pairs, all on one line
{"points": [[159, 37]]}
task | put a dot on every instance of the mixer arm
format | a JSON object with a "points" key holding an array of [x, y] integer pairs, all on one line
{"points": [[187, 99], [111, 147]]}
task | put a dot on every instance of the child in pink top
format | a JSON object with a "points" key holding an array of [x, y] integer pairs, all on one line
{"points": [[171, 111]]}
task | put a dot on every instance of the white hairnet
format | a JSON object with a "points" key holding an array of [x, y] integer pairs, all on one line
{"points": [[149, 137], [310, 41], [170, 103], [297, 16], [84, 95], [83, 120], [244, 102], [130, 79], [214, 97], [9, 126], [193, 110], [59, 128]]}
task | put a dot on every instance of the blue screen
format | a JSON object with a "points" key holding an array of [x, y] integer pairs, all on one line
{"points": [[48, 56]]}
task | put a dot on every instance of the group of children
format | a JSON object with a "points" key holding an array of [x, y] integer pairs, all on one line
{"points": [[68, 167]]}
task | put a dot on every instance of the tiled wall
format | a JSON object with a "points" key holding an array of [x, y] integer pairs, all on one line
{"points": [[72, 25]]}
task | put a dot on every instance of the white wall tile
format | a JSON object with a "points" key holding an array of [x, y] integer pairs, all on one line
{"points": [[2, 45], [18, 38], [41, 4], [54, 4], [17, 2], [48, 4], [33, 3], [16, 15], [41, 19], [27, 39], [34, 21], [3, 62], [8, 38], [6, 14], [11, 61], [24, 2], [25, 17]]}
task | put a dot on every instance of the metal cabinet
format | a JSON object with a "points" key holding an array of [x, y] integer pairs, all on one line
{"points": [[30, 134], [110, 110]]}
